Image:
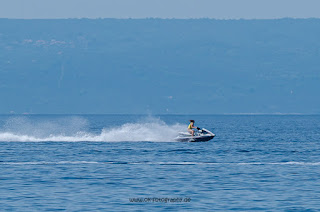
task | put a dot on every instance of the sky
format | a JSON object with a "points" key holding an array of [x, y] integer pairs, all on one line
{"points": [[217, 9]]}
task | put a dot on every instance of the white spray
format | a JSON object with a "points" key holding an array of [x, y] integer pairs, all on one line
{"points": [[74, 129]]}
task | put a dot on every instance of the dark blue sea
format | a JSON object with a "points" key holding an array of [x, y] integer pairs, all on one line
{"points": [[132, 163]]}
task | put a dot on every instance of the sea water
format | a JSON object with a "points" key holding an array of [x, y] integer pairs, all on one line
{"points": [[132, 163]]}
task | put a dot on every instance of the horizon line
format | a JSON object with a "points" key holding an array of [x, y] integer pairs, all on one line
{"points": [[166, 114], [159, 18]]}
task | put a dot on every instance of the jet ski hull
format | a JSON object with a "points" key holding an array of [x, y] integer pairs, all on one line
{"points": [[195, 139]]}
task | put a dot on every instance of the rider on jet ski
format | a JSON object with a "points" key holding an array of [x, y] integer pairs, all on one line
{"points": [[191, 127]]}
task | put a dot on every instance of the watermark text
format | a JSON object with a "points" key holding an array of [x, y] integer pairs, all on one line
{"points": [[160, 199]]}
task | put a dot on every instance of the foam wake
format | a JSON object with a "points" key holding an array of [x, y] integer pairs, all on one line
{"points": [[292, 163], [76, 129]]}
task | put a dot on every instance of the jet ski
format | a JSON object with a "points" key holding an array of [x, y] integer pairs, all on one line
{"points": [[201, 135]]}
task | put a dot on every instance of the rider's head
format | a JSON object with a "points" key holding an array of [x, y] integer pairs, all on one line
{"points": [[192, 121]]}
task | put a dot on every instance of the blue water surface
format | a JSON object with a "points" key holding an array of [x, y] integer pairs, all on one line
{"points": [[255, 163]]}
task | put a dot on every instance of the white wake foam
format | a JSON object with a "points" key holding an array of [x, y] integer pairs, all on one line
{"points": [[74, 130], [159, 163]]}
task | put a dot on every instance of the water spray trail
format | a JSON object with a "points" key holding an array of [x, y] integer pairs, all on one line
{"points": [[76, 129]]}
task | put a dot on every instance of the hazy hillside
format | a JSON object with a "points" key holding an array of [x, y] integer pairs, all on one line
{"points": [[160, 66]]}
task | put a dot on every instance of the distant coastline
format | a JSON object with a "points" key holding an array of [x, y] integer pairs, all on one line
{"points": [[167, 66]]}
